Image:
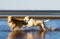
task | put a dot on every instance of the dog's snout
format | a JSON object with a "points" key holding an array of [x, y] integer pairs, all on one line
{"points": [[25, 21]]}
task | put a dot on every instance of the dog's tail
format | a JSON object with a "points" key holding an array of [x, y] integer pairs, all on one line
{"points": [[47, 20]]}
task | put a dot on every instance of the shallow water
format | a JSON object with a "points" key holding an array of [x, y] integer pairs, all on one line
{"points": [[5, 31]]}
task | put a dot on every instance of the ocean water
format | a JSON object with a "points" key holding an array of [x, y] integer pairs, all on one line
{"points": [[6, 33]]}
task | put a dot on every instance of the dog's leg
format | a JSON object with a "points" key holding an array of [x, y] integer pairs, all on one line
{"points": [[43, 27], [41, 24]]}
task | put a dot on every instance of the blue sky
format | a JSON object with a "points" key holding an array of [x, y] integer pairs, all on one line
{"points": [[29, 4]]}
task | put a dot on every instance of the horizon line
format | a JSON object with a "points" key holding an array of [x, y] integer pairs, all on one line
{"points": [[29, 10]]}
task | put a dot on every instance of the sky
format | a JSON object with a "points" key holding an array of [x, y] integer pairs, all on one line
{"points": [[29, 4]]}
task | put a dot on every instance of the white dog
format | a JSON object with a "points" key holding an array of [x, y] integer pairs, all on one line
{"points": [[33, 22]]}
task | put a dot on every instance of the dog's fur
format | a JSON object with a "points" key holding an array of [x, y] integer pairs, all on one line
{"points": [[14, 23], [33, 22]]}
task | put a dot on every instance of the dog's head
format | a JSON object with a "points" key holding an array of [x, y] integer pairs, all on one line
{"points": [[26, 19]]}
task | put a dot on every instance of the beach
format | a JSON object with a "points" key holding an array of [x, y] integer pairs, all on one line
{"points": [[5, 30]]}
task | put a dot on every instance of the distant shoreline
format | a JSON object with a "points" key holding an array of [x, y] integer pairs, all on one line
{"points": [[29, 12], [36, 17]]}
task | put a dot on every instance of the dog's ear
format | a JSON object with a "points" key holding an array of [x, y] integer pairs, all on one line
{"points": [[26, 18], [9, 18]]}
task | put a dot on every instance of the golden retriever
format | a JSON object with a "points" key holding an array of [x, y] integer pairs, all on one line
{"points": [[15, 23]]}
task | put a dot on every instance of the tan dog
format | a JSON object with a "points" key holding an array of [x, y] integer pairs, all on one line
{"points": [[14, 23], [33, 22]]}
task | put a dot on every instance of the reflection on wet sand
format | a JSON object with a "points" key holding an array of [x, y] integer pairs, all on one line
{"points": [[35, 35], [17, 34], [29, 36], [42, 34]]}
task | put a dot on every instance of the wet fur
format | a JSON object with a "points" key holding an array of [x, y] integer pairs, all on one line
{"points": [[33, 22], [13, 23]]}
